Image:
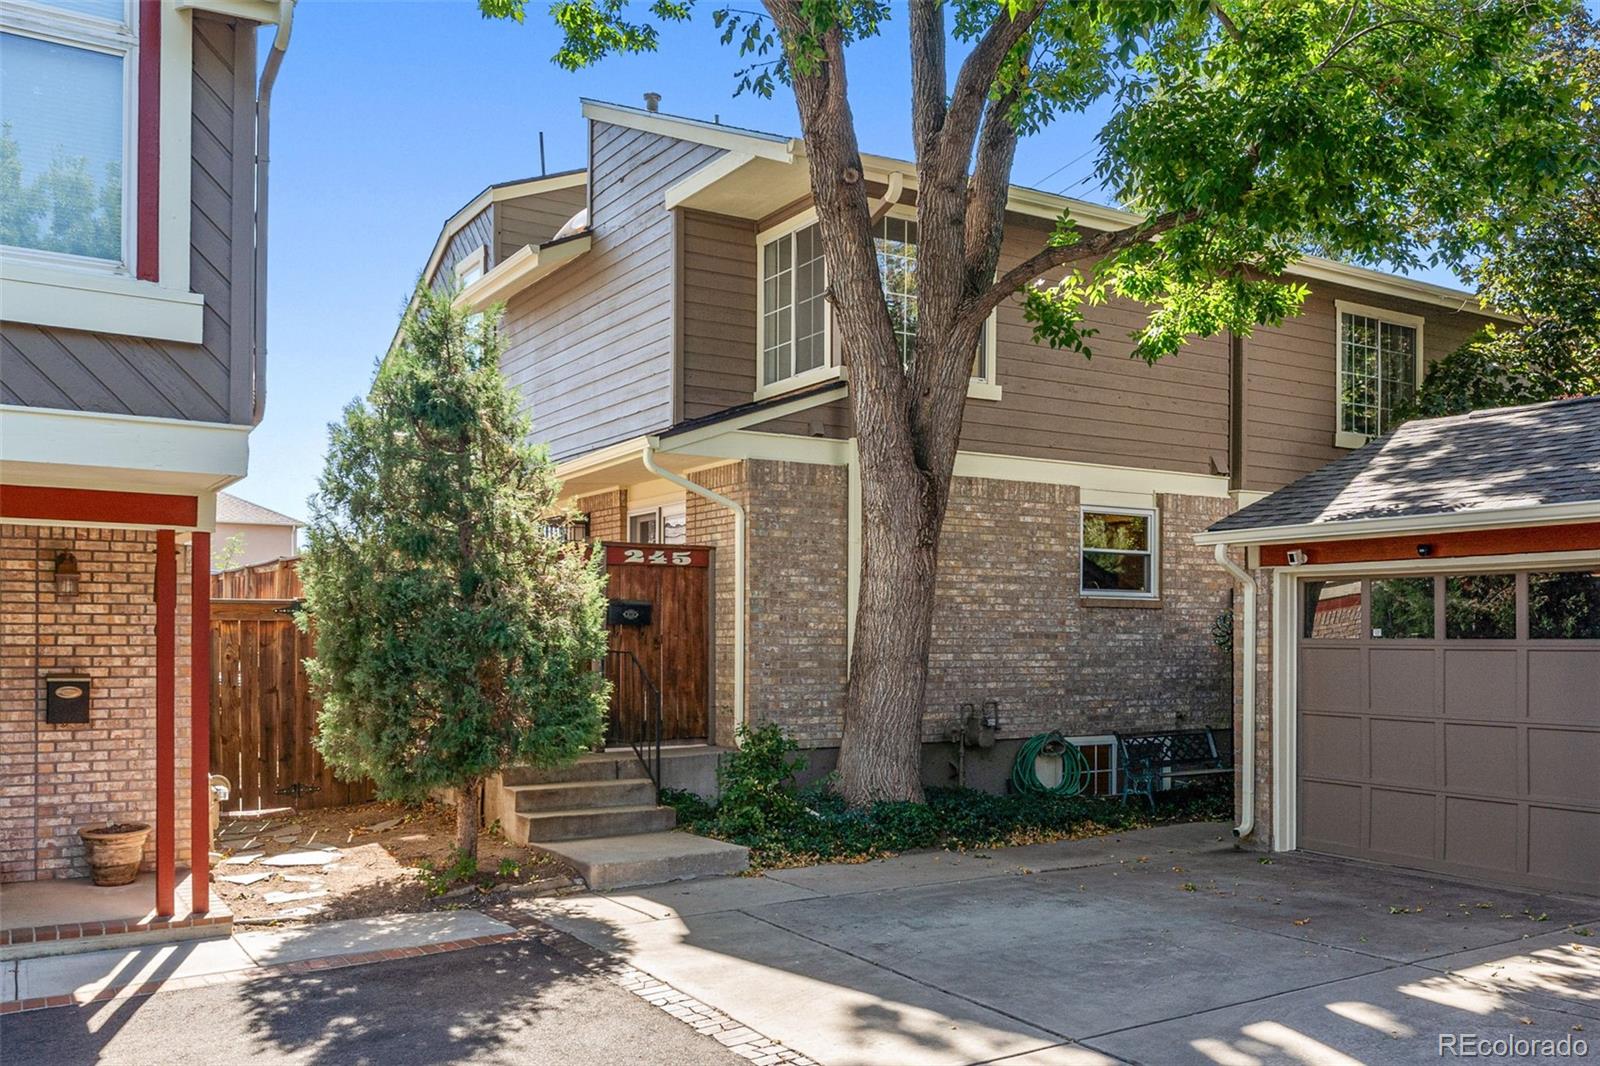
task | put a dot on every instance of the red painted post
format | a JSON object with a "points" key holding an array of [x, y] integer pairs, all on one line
{"points": [[200, 720], [166, 722]]}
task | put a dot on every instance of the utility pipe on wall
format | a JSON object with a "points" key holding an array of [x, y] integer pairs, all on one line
{"points": [[648, 455], [1247, 725]]}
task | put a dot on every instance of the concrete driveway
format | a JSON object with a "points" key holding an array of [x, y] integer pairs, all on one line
{"points": [[1163, 946]]}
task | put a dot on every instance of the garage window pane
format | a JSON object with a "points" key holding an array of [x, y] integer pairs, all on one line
{"points": [[1480, 607], [1564, 605], [1333, 610], [1402, 608]]}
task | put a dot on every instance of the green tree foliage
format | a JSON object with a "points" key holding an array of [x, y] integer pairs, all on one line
{"points": [[1546, 272], [63, 209], [453, 635]]}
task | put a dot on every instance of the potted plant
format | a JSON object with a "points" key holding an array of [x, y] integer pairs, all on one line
{"points": [[114, 851]]}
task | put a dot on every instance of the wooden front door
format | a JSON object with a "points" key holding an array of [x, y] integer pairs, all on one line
{"points": [[674, 648]]}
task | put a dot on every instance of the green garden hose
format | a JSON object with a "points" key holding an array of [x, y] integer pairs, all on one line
{"points": [[1074, 767]]}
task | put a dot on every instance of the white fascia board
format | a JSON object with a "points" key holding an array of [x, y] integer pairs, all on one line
{"points": [[42, 295], [89, 449], [779, 447], [1456, 521], [495, 194], [714, 135], [520, 270], [691, 440], [1100, 480], [268, 12], [719, 168]]}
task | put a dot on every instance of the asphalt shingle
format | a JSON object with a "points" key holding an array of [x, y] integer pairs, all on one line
{"points": [[1510, 457]]}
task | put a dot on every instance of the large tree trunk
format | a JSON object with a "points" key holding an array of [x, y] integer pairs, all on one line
{"points": [[469, 804]]}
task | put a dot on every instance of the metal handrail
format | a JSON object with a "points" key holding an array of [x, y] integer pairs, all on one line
{"points": [[628, 676]]}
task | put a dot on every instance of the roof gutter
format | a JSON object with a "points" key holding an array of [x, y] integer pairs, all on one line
{"points": [[647, 455], [1454, 521], [1247, 717], [269, 77]]}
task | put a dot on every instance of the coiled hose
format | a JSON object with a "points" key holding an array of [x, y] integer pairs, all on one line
{"points": [[1074, 767]]}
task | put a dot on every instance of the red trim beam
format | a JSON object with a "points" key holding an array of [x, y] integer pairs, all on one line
{"points": [[1584, 536], [41, 503]]}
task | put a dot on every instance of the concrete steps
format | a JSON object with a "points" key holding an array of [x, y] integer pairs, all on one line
{"points": [[607, 863], [546, 826], [600, 815]]}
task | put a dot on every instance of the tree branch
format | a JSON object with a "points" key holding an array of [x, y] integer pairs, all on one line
{"points": [[975, 81], [990, 187], [1048, 259], [927, 73]]}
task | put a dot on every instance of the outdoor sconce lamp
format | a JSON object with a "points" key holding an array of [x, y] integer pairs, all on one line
{"points": [[66, 575], [578, 528]]}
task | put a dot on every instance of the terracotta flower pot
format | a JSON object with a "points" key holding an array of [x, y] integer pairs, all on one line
{"points": [[114, 851]]}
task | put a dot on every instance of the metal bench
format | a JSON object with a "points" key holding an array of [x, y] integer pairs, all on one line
{"points": [[1150, 760]]}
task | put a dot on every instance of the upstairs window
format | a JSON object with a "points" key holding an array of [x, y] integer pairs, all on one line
{"points": [[66, 130], [794, 328], [1380, 362], [794, 313]]}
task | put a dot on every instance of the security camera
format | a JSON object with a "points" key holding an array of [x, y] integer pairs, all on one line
{"points": [[1297, 558]]}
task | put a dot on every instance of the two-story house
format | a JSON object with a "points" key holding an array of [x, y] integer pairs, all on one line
{"points": [[132, 319], [666, 321]]}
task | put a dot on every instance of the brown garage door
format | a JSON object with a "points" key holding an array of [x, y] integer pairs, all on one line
{"points": [[1452, 723]]}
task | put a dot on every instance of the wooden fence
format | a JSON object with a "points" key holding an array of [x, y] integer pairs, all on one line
{"points": [[263, 717]]}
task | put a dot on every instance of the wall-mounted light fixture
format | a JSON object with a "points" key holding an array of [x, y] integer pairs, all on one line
{"points": [[66, 575], [578, 528], [1424, 550]]}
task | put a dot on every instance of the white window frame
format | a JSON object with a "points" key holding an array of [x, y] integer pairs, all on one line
{"points": [[477, 259], [90, 34], [985, 388], [1343, 438], [1152, 538], [1105, 740]]}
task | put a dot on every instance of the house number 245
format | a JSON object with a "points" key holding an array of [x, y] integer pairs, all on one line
{"points": [[657, 557]]}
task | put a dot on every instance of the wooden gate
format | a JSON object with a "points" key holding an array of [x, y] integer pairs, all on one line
{"points": [[675, 647], [262, 713]]}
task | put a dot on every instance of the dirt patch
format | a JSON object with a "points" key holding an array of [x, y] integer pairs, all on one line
{"points": [[356, 862]]}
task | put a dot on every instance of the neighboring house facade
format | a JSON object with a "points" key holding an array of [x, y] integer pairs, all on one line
{"points": [[248, 533], [1423, 662], [131, 373], [666, 323]]}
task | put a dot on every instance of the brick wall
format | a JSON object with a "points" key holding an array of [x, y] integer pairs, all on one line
{"points": [[54, 779], [711, 524], [1009, 623], [608, 514]]}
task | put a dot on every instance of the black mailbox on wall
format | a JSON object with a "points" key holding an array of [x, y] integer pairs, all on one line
{"points": [[627, 612], [66, 700]]}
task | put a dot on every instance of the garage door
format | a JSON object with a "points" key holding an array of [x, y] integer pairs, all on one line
{"points": [[1452, 723]]}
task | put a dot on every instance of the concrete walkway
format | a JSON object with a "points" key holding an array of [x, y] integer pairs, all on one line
{"points": [[1163, 946], [60, 980]]}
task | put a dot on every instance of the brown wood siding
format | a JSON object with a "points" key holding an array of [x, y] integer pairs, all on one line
{"points": [[46, 366], [1291, 375], [533, 219], [477, 233], [590, 347]]}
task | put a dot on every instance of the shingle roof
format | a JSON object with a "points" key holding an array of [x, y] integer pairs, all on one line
{"points": [[1510, 457], [237, 511]]}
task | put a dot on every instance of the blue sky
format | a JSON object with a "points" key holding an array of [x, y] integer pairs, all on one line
{"points": [[388, 117]]}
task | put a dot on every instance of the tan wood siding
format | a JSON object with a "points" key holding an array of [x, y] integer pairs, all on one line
{"points": [[590, 347], [76, 370], [1291, 377], [478, 232], [533, 219]]}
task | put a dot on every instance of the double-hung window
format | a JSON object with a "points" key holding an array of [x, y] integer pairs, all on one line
{"points": [[796, 347], [1380, 363], [67, 85], [1119, 553]]}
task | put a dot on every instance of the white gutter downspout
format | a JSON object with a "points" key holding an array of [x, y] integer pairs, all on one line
{"points": [[269, 78], [648, 456], [1247, 725]]}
